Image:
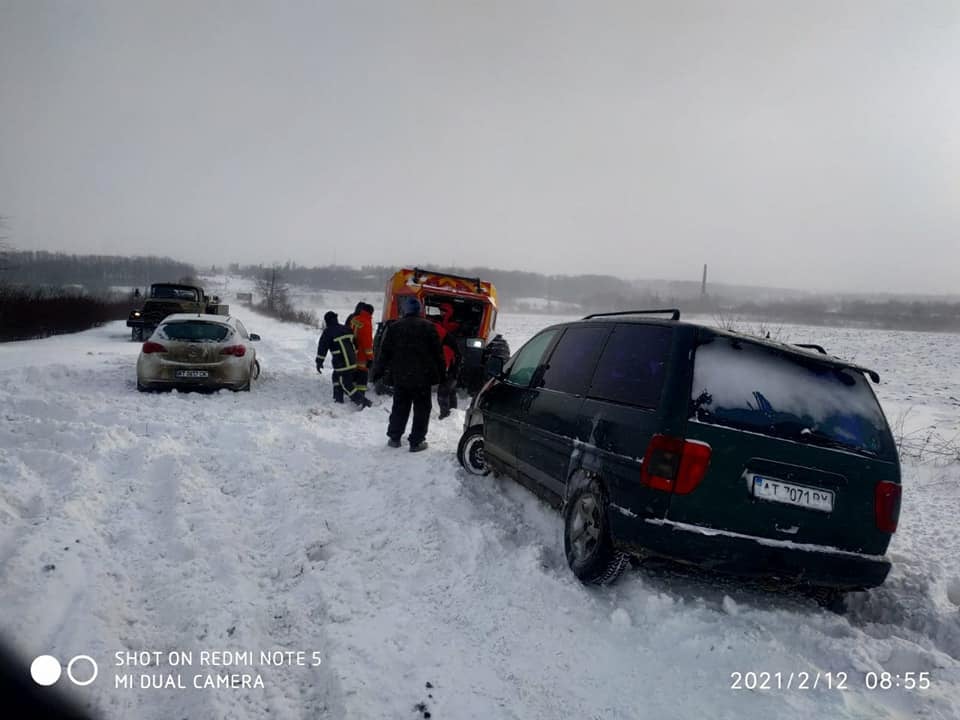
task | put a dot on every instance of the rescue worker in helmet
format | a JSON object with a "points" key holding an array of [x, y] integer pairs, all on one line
{"points": [[338, 341]]}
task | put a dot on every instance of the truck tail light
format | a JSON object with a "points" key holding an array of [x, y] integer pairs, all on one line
{"points": [[886, 505], [235, 350], [674, 465], [153, 347]]}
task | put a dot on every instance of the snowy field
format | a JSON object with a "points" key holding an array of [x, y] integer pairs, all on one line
{"points": [[276, 520]]}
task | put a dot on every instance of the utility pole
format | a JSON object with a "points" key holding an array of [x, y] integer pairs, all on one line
{"points": [[703, 286]]}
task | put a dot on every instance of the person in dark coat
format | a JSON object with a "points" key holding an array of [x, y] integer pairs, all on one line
{"points": [[338, 341], [410, 350]]}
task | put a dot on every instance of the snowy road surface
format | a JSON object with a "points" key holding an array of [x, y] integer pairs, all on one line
{"points": [[276, 520]]}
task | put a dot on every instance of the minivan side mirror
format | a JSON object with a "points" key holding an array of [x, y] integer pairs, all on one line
{"points": [[494, 367], [254, 337]]}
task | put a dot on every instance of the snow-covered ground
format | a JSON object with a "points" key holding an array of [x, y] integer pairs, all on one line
{"points": [[277, 520]]}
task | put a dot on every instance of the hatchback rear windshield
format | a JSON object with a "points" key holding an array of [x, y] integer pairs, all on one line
{"points": [[194, 331], [751, 387]]}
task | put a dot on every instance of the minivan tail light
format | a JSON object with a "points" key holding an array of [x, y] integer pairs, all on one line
{"points": [[674, 465], [153, 347], [235, 350], [693, 466], [886, 505]]}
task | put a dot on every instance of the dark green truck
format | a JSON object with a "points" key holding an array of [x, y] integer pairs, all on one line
{"points": [[167, 299]]}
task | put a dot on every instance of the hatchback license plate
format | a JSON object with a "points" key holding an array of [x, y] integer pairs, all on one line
{"points": [[192, 373], [767, 488]]}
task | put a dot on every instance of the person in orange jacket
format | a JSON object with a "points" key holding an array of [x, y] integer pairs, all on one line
{"points": [[447, 389], [361, 325]]}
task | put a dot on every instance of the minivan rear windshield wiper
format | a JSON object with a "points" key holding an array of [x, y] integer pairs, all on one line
{"points": [[818, 437]]}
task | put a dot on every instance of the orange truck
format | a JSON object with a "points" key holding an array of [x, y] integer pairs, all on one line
{"points": [[469, 304]]}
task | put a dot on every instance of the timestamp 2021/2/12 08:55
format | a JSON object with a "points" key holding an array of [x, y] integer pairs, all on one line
{"points": [[817, 680]]}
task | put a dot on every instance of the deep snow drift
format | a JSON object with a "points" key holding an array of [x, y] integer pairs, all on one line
{"points": [[277, 520]]}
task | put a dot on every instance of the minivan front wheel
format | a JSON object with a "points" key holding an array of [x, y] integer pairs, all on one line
{"points": [[470, 452], [586, 537]]}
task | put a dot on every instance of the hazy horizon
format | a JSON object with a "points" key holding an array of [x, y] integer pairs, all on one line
{"points": [[790, 145]]}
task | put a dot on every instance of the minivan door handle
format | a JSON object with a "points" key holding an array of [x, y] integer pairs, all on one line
{"points": [[527, 401]]}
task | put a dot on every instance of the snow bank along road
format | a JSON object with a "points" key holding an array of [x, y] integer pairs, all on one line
{"points": [[274, 520]]}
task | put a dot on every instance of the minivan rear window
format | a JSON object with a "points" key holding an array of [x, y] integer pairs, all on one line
{"points": [[571, 362], [748, 386], [194, 331], [632, 368]]}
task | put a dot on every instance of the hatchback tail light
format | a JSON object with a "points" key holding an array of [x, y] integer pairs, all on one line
{"points": [[235, 350], [886, 505], [674, 465], [153, 347]]}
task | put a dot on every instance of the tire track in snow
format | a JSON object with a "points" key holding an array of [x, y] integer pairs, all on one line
{"points": [[168, 548]]}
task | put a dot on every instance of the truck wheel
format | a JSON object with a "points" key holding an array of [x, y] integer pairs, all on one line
{"points": [[586, 537], [136, 334], [471, 382], [470, 452]]}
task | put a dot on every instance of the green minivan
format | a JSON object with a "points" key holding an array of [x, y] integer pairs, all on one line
{"points": [[664, 438]]}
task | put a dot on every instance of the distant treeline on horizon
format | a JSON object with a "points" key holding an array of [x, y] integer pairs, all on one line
{"points": [[518, 291], [40, 269], [572, 294]]}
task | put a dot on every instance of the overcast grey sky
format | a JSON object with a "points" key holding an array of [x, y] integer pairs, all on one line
{"points": [[799, 144]]}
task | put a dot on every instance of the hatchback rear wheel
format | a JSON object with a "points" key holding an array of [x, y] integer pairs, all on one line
{"points": [[586, 537]]}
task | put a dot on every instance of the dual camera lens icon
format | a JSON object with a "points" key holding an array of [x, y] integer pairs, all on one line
{"points": [[46, 670]]}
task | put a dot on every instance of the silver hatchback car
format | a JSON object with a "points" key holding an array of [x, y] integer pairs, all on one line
{"points": [[195, 351]]}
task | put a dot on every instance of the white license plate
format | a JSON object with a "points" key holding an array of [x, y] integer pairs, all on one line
{"points": [[192, 373], [767, 488]]}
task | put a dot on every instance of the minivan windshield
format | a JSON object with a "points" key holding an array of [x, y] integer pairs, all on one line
{"points": [[748, 386]]}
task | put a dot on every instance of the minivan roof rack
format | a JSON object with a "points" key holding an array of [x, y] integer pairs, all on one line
{"points": [[674, 312], [812, 346], [417, 272]]}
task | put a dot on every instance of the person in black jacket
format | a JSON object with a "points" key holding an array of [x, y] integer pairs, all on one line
{"points": [[410, 350], [338, 341]]}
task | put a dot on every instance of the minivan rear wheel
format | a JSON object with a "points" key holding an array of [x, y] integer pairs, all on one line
{"points": [[470, 452], [586, 537]]}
